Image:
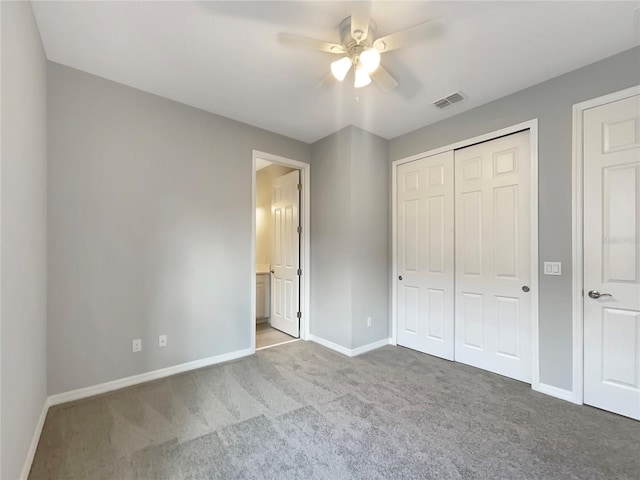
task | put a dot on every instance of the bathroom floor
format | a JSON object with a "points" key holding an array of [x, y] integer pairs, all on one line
{"points": [[267, 336]]}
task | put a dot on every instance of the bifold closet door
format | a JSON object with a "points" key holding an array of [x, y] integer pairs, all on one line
{"points": [[493, 256], [425, 294]]}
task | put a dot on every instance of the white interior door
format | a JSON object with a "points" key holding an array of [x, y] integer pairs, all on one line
{"points": [[425, 255], [612, 256], [493, 256], [285, 280]]}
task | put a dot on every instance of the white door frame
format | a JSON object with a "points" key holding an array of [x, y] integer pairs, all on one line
{"points": [[577, 395], [532, 126], [305, 245]]}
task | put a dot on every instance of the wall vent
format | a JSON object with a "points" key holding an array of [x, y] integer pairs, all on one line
{"points": [[449, 99]]}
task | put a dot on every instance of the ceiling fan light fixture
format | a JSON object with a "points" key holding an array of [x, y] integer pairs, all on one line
{"points": [[340, 68], [362, 78], [370, 59]]}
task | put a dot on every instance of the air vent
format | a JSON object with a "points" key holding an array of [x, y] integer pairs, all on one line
{"points": [[455, 97], [449, 99], [442, 103]]}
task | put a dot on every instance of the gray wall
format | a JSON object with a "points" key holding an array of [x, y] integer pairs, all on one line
{"points": [[331, 238], [370, 224], [551, 103], [350, 237], [149, 229], [24, 234]]}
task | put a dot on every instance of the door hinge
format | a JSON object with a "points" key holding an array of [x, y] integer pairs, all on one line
{"points": [[300, 187], [299, 271], [299, 229], [299, 314]]}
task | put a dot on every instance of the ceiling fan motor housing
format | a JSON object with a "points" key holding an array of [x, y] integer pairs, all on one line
{"points": [[351, 45]]}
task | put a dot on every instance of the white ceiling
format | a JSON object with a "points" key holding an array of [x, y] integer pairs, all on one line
{"points": [[224, 57]]}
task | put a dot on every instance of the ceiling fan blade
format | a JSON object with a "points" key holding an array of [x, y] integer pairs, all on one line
{"points": [[360, 17], [410, 36], [310, 43], [383, 79]]}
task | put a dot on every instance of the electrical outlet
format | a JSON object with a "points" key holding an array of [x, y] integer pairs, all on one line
{"points": [[136, 345], [368, 321], [162, 341]]}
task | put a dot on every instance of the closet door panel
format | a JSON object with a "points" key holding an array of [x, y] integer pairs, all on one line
{"points": [[493, 255], [425, 293]]}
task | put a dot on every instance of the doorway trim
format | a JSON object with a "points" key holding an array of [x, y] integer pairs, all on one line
{"points": [[577, 258], [532, 126], [305, 253]]}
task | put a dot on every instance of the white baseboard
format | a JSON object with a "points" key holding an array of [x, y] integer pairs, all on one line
{"points": [[31, 453], [349, 352], [145, 377], [560, 393], [369, 347], [333, 346]]}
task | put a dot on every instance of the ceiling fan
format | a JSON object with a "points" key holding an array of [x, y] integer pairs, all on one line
{"points": [[361, 49]]}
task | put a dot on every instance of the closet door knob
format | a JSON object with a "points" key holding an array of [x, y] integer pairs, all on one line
{"points": [[399, 277]]}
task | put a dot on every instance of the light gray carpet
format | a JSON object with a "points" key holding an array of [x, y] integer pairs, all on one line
{"points": [[300, 411]]}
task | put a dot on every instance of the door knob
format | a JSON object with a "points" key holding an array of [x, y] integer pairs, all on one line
{"points": [[399, 277], [597, 294], [272, 271], [525, 289]]}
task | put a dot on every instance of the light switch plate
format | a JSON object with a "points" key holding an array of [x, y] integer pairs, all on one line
{"points": [[553, 268]]}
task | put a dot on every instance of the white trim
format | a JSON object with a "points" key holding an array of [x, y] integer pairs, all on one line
{"points": [[278, 344], [471, 141], [369, 347], [333, 346], [146, 377], [560, 393], [532, 126], [535, 243], [252, 299], [31, 453], [349, 352], [393, 339], [305, 260], [1, 260], [576, 234]]}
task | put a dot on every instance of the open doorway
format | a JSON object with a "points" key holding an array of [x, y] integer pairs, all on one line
{"points": [[279, 250]]}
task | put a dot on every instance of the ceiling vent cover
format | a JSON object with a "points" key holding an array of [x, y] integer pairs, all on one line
{"points": [[449, 99]]}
